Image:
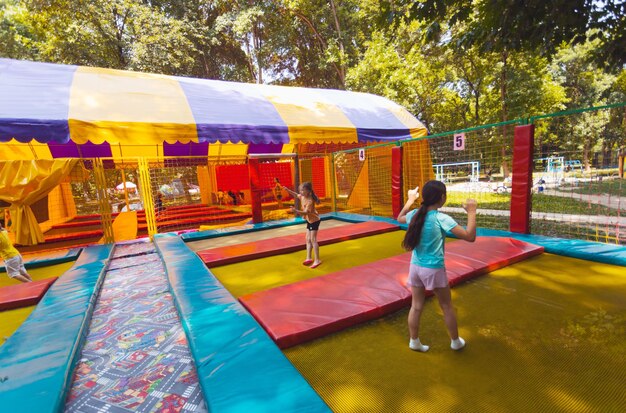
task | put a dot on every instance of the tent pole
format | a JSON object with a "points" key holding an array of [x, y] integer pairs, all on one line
{"points": [[125, 191]]}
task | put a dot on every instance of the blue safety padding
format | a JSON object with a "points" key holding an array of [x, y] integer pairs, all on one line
{"points": [[214, 233], [575, 248], [71, 255], [341, 216], [239, 367], [349, 217], [222, 232], [37, 362]]}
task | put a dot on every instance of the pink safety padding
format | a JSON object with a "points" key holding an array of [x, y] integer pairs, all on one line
{"points": [[215, 257], [24, 295], [299, 312]]}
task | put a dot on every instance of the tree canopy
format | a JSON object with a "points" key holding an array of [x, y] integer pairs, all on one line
{"points": [[452, 63]]}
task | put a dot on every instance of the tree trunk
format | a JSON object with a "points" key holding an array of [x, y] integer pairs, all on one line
{"points": [[342, 69], [257, 48], [606, 154], [586, 161]]}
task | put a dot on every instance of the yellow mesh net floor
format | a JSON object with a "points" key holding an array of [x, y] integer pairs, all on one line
{"points": [[546, 334]]}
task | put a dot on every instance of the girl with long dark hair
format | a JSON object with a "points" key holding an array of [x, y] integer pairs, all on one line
{"points": [[425, 236]]}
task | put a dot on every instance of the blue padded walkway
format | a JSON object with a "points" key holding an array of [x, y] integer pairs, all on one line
{"points": [[239, 367], [36, 362], [135, 357]]}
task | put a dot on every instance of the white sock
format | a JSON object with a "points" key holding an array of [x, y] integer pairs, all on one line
{"points": [[457, 344], [416, 345]]}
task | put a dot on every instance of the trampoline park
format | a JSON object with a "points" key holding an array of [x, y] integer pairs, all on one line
{"points": [[183, 290]]}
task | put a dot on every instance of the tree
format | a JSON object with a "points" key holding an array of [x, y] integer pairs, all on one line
{"points": [[586, 85], [531, 25], [15, 37]]}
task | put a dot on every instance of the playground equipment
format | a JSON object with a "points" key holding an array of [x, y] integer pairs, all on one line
{"points": [[167, 130], [445, 176], [551, 164]]}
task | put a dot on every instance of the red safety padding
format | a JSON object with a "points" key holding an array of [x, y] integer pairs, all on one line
{"points": [[74, 236], [198, 221], [232, 177], [24, 295], [396, 180], [299, 312], [318, 167], [290, 243], [523, 147], [256, 190]]}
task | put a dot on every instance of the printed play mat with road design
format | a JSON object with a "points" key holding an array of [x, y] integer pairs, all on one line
{"points": [[136, 356]]}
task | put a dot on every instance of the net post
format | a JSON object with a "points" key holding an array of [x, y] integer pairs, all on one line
{"points": [[255, 190], [103, 201], [396, 180], [333, 180], [146, 194], [523, 145]]}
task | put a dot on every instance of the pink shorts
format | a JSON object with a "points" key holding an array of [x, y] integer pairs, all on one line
{"points": [[428, 278]]}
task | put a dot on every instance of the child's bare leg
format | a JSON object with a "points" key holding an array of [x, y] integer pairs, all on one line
{"points": [[25, 274], [316, 247], [445, 302], [449, 316], [309, 245], [22, 278], [418, 297]]}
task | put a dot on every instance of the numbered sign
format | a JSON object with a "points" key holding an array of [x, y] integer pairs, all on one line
{"points": [[361, 155], [459, 142]]}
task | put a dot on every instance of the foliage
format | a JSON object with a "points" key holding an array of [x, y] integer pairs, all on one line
{"points": [[453, 64], [524, 25]]}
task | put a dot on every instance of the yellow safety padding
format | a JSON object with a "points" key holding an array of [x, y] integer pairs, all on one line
{"points": [[125, 226], [218, 226], [11, 320], [204, 182], [23, 183], [128, 108], [61, 204], [360, 195]]}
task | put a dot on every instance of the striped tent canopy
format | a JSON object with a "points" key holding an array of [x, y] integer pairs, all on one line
{"points": [[57, 111]]}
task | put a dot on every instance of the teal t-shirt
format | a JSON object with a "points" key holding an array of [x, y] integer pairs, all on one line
{"points": [[429, 252]]}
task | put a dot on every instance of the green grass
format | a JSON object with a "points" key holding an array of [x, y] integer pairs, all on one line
{"points": [[616, 187], [541, 203], [561, 230], [486, 200], [560, 205]]}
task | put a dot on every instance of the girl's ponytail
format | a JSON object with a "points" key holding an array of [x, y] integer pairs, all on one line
{"points": [[432, 193], [315, 197], [414, 232]]}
